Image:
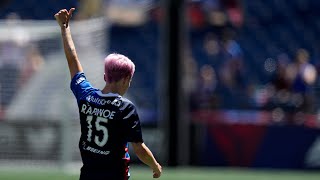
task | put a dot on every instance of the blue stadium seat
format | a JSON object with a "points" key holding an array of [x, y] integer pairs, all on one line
{"points": [[36, 9]]}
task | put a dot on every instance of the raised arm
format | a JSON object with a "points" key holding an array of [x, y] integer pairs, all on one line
{"points": [[146, 156], [63, 17]]}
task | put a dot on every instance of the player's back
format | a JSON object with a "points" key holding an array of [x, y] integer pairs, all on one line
{"points": [[103, 132], [108, 123]]}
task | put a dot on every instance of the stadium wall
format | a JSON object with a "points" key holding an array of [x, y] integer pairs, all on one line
{"points": [[258, 146]]}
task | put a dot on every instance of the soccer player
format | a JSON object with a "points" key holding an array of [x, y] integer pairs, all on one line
{"points": [[108, 120]]}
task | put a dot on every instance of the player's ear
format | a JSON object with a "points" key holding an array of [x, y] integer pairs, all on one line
{"points": [[128, 79], [105, 77]]}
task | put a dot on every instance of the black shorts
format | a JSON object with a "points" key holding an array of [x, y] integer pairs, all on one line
{"points": [[99, 175], [102, 176]]}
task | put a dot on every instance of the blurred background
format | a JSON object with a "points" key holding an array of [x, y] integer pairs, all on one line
{"points": [[225, 89]]}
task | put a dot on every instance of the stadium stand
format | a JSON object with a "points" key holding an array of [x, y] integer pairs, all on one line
{"points": [[269, 29], [33, 9]]}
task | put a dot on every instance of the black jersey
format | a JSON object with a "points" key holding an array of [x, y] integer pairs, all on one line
{"points": [[108, 123]]}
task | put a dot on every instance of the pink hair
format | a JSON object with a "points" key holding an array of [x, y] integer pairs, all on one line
{"points": [[117, 66]]}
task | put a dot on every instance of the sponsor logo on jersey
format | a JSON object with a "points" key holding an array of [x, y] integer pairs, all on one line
{"points": [[116, 102], [94, 150], [96, 100], [80, 80], [103, 102]]}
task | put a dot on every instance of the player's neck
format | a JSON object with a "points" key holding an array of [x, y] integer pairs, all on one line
{"points": [[112, 88]]}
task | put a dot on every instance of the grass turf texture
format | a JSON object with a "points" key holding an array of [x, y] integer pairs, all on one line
{"points": [[173, 174]]}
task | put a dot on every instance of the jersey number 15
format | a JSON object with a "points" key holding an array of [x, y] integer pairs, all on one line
{"points": [[98, 127]]}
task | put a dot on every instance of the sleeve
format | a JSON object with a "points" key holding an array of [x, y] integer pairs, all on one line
{"points": [[131, 117], [80, 85]]}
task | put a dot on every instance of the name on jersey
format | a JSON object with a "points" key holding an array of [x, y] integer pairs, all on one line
{"points": [[97, 111], [103, 101]]}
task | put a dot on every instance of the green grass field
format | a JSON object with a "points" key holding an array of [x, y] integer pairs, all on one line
{"points": [[174, 174]]}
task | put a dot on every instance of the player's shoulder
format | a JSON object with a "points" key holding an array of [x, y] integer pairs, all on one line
{"points": [[78, 78], [126, 104], [125, 100], [80, 86]]}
